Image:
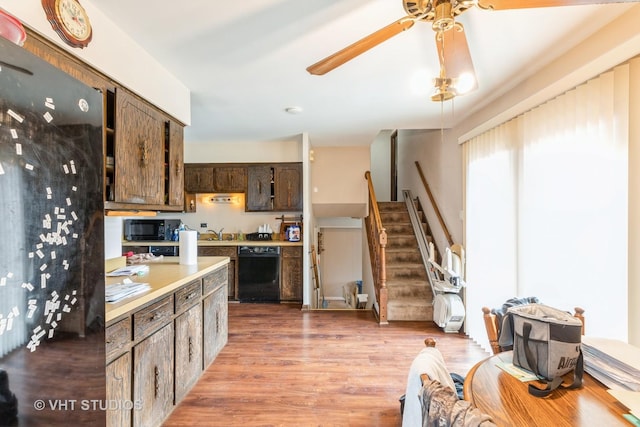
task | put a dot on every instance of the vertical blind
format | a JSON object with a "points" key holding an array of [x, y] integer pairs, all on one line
{"points": [[546, 207]]}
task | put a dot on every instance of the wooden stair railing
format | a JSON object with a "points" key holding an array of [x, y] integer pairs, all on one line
{"points": [[435, 206], [377, 237], [455, 247]]}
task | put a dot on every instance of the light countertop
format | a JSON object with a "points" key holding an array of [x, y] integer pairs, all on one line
{"points": [[214, 243], [164, 277]]}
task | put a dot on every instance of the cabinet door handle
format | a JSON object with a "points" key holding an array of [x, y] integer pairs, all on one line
{"points": [[190, 349], [217, 322], [177, 167], [144, 153], [156, 382]]}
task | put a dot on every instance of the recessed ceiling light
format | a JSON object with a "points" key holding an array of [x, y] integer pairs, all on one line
{"points": [[293, 110]]}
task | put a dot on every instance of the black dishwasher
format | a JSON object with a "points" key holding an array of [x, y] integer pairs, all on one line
{"points": [[259, 273]]}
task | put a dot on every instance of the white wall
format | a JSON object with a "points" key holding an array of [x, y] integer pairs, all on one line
{"points": [[116, 55], [245, 152], [340, 260], [338, 184], [112, 237], [441, 162]]}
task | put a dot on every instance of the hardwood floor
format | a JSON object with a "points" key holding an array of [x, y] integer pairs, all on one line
{"points": [[286, 367]]}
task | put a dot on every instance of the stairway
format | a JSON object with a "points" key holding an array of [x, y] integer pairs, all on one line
{"points": [[409, 293]]}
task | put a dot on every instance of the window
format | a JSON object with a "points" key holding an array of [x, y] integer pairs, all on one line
{"points": [[547, 206]]}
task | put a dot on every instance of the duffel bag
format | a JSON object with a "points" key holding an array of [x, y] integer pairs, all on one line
{"points": [[547, 342]]}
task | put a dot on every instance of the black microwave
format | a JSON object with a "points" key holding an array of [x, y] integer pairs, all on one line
{"points": [[150, 229]]}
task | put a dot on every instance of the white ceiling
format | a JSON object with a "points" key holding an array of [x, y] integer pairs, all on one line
{"points": [[245, 62]]}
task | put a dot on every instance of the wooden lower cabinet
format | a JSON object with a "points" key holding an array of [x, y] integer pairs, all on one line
{"points": [[119, 391], [291, 274], [216, 328], [153, 377], [232, 253], [188, 350], [156, 353]]}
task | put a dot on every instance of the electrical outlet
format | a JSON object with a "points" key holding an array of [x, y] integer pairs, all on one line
{"points": [[203, 225]]}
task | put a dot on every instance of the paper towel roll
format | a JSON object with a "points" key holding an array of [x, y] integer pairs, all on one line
{"points": [[189, 247]]}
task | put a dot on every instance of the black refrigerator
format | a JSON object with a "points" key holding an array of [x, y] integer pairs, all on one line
{"points": [[52, 352]]}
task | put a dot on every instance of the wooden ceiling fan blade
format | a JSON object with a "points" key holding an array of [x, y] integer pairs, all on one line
{"points": [[524, 4], [455, 57], [348, 53]]}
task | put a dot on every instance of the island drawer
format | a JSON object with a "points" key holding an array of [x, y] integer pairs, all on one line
{"points": [[152, 317], [188, 295], [230, 251], [214, 280], [117, 337]]}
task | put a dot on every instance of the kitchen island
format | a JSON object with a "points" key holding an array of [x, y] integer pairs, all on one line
{"points": [[164, 276], [158, 343]]}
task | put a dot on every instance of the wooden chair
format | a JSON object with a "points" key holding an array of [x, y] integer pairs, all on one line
{"points": [[492, 327]]}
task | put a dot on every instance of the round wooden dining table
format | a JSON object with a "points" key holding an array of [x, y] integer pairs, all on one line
{"points": [[507, 400]]}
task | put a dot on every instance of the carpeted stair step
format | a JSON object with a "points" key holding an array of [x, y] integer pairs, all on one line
{"points": [[406, 271], [391, 206], [402, 241], [398, 229], [402, 255], [395, 217], [408, 288], [409, 309]]}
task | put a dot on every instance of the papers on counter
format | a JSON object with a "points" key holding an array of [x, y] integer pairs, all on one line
{"points": [[630, 399], [129, 270], [517, 372], [614, 363], [119, 291]]}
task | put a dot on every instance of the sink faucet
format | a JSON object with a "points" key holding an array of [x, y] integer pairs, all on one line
{"points": [[217, 234]]}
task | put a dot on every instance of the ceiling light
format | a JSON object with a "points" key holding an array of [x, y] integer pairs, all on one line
{"points": [[464, 83], [444, 90], [293, 110]]}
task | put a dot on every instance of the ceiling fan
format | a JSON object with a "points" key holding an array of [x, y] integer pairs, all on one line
{"points": [[457, 75]]}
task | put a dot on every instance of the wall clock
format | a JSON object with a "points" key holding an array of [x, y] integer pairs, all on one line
{"points": [[69, 19]]}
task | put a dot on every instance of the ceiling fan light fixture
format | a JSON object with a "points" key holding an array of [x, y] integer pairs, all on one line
{"points": [[443, 19], [464, 83], [444, 91], [442, 95]]}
